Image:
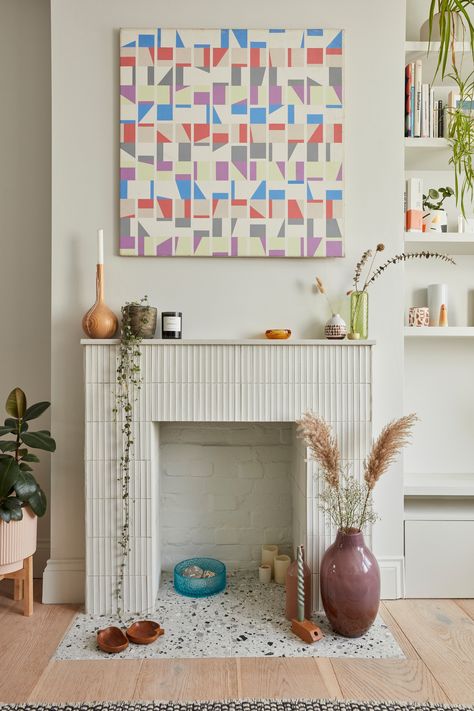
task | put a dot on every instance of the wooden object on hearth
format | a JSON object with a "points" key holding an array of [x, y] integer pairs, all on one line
{"points": [[100, 321], [144, 632], [112, 640], [305, 629], [23, 585]]}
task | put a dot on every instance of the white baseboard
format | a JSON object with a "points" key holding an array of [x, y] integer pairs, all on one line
{"points": [[64, 581], [392, 576]]}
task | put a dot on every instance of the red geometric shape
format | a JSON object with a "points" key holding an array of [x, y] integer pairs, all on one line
{"points": [[254, 213], [129, 132], [314, 55], [334, 50], [166, 207], [289, 57], [317, 135], [187, 129], [152, 53], [217, 54], [276, 126], [207, 56], [239, 203], [201, 131], [220, 138], [187, 208], [127, 61], [294, 209], [329, 214], [165, 53], [254, 57], [161, 138], [145, 202], [243, 133], [338, 133]]}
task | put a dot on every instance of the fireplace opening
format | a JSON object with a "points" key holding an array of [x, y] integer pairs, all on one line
{"points": [[228, 488]]}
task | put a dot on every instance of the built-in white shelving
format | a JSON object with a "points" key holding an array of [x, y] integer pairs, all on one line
{"points": [[448, 242], [439, 332], [419, 50], [438, 484], [425, 143]]}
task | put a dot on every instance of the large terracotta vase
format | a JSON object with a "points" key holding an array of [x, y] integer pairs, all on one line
{"points": [[350, 584]]}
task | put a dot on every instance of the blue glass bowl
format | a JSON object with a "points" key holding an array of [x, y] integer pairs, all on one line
{"points": [[200, 587]]}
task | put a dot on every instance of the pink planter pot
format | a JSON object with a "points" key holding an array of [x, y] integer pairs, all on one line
{"points": [[17, 541], [350, 585]]}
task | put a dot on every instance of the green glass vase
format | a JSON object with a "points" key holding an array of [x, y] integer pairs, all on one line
{"points": [[359, 315]]}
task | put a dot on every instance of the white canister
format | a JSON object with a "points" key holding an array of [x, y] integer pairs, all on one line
{"points": [[269, 552], [265, 573], [282, 563], [437, 296]]}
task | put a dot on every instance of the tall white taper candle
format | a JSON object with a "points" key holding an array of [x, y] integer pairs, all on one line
{"points": [[100, 246]]}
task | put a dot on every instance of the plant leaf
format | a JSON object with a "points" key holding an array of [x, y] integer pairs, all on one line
{"points": [[25, 485], [38, 502], [28, 457], [8, 446], [6, 430], [13, 506], [16, 403], [39, 440], [9, 471], [36, 410], [25, 467]]}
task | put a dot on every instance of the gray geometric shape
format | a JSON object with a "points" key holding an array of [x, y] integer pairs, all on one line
{"points": [[272, 76], [313, 82], [295, 221], [270, 151], [179, 76], [184, 151], [160, 152], [125, 225], [236, 76], [256, 76], [233, 222], [142, 231], [146, 159], [128, 148], [239, 154], [312, 151], [150, 76], [167, 79], [258, 230], [281, 231], [335, 76], [182, 222], [258, 150], [328, 152], [332, 228], [217, 227], [291, 149], [309, 227]]}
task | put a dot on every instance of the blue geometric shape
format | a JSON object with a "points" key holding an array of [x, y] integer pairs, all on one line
{"points": [[261, 192], [143, 109], [260, 45], [258, 115], [131, 44], [164, 112], [184, 188], [232, 189], [315, 33], [123, 189], [220, 196], [242, 37], [146, 41], [224, 38], [291, 113], [314, 118], [309, 195], [276, 194], [152, 189], [179, 41], [277, 31], [215, 116], [337, 42], [239, 108], [333, 194], [302, 41], [158, 37], [198, 194], [274, 107]]}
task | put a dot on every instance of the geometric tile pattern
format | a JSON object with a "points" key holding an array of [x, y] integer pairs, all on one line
{"points": [[231, 143]]}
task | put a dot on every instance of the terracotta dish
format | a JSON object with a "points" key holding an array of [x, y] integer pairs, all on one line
{"points": [[144, 632], [112, 640], [278, 333]]}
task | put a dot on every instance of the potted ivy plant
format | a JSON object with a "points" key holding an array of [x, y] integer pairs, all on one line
{"points": [[434, 214], [21, 498]]}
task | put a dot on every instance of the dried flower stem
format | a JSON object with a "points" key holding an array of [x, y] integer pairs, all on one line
{"points": [[405, 256]]}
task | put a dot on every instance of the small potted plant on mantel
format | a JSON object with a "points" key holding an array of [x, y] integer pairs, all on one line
{"points": [[434, 214], [21, 497]]}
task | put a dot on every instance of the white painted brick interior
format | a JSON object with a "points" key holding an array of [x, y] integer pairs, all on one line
{"points": [[225, 490]]}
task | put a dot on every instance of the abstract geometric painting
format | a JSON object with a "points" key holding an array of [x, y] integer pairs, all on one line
{"points": [[231, 143]]}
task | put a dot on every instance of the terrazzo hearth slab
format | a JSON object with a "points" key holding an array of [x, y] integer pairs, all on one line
{"points": [[246, 620]]}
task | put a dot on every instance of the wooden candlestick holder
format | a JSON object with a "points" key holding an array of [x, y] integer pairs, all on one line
{"points": [[100, 321]]}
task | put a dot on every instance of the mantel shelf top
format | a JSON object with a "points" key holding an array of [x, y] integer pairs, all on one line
{"points": [[230, 342]]}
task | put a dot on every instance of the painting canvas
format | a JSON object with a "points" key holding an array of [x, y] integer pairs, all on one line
{"points": [[231, 143]]}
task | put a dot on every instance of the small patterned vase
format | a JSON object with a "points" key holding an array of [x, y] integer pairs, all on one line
{"points": [[335, 328]]}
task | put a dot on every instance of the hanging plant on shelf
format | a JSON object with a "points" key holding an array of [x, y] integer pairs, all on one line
{"points": [[128, 382], [359, 307], [449, 22]]}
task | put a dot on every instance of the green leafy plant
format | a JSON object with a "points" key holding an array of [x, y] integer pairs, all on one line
{"points": [[435, 198], [461, 139], [450, 14], [18, 487], [128, 382]]}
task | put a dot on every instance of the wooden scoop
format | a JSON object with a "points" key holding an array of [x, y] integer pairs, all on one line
{"points": [[144, 632], [111, 640]]}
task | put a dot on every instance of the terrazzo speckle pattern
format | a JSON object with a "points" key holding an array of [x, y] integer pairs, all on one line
{"points": [[246, 620]]}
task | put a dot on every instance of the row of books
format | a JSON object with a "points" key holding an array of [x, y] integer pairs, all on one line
{"points": [[425, 115]]}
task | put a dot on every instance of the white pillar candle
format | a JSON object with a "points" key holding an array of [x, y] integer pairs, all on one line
{"points": [[100, 246], [265, 573], [281, 563], [268, 554], [437, 296]]}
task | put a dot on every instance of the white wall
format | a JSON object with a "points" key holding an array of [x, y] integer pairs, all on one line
{"points": [[25, 215], [219, 298]]}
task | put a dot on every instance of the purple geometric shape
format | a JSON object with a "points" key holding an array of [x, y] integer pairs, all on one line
{"points": [[128, 92], [274, 95], [312, 245], [201, 98], [127, 242], [127, 173], [218, 94], [276, 253], [333, 248], [141, 246], [222, 170], [165, 249]]}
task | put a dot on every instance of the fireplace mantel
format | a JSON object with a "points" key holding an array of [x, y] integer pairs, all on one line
{"points": [[256, 380]]}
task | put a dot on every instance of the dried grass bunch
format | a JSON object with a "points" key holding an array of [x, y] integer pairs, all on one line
{"points": [[347, 500]]}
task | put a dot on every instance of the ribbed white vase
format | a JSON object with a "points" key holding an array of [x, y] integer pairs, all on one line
{"points": [[17, 541]]}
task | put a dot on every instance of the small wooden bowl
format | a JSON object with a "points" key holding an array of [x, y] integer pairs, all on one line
{"points": [[111, 640], [278, 333], [144, 632]]}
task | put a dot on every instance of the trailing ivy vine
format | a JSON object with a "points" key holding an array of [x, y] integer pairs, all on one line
{"points": [[128, 382]]}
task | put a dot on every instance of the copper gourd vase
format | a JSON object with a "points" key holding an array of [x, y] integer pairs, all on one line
{"points": [[100, 321], [350, 584]]}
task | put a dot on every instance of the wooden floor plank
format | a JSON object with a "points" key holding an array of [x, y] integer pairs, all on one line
{"points": [[286, 678], [387, 679], [405, 645], [187, 680], [95, 680], [467, 606], [31, 643], [443, 635]]}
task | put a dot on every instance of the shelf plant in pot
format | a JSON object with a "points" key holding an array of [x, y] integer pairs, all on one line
{"points": [[349, 573], [434, 214], [21, 497]]}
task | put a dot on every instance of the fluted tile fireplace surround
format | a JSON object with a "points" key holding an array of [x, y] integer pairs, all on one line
{"points": [[188, 381]]}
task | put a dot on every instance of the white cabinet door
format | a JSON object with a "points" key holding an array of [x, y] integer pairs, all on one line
{"points": [[439, 558]]}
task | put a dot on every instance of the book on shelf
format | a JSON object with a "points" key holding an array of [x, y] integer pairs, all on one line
{"points": [[425, 114], [414, 205]]}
